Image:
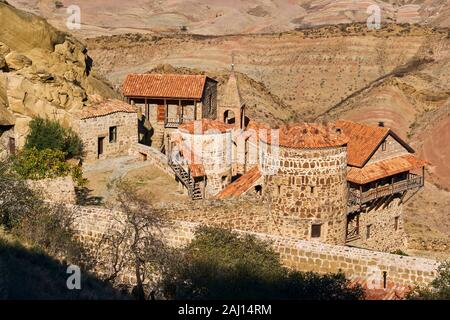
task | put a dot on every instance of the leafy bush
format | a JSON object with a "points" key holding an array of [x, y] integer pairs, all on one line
{"points": [[439, 288], [48, 134], [37, 164], [220, 264]]}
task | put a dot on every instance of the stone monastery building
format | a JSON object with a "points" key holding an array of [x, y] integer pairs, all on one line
{"points": [[339, 183]]}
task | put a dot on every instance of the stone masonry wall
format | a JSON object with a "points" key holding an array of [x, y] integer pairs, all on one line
{"points": [[60, 189], [91, 129], [92, 223], [310, 184], [153, 156], [387, 232]]}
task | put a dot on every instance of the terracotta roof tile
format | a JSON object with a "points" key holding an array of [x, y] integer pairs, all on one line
{"points": [[364, 140], [204, 125], [384, 168], [241, 185], [197, 170], [164, 86], [308, 136], [106, 107]]}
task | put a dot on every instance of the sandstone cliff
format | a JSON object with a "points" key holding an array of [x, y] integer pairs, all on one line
{"points": [[43, 71]]}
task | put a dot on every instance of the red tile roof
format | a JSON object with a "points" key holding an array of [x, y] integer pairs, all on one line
{"points": [[204, 125], [241, 185], [102, 108], [385, 168], [164, 86], [197, 170], [364, 140], [308, 136]]}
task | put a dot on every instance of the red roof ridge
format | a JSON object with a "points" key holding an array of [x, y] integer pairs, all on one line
{"points": [[205, 125], [101, 108], [308, 136], [164, 85], [364, 140], [241, 185], [384, 168]]}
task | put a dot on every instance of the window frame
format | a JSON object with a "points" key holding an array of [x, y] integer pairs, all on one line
{"points": [[112, 134]]}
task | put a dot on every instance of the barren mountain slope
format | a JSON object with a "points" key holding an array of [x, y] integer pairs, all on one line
{"points": [[219, 17], [310, 70], [42, 71]]}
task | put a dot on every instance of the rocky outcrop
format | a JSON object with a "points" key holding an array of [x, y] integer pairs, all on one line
{"points": [[43, 72]]}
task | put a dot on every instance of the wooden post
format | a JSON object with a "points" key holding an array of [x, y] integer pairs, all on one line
{"points": [[166, 111], [147, 110], [180, 108]]}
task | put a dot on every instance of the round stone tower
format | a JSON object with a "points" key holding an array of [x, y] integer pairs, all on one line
{"points": [[306, 179], [208, 144]]}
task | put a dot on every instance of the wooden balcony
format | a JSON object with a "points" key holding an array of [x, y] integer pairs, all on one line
{"points": [[175, 122], [357, 198]]}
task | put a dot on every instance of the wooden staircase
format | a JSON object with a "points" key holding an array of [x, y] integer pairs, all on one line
{"points": [[194, 190]]}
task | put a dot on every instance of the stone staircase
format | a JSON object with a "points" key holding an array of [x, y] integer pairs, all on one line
{"points": [[194, 189], [158, 138]]}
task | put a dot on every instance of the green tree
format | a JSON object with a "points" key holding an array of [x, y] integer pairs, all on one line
{"points": [[220, 264], [48, 134], [37, 164], [439, 288]]}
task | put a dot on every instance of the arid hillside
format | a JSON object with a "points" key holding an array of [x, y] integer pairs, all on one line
{"points": [[220, 17]]}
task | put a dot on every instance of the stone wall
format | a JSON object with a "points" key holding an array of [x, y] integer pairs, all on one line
{"points": [[153, 156], [310, 185], [93, 223], [61, 190], [90, 130], [386, 227], [213, 151]]}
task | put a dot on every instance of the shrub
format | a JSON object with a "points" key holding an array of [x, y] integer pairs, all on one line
{"points": [[219, 264], [48, 134], [37, 164]]}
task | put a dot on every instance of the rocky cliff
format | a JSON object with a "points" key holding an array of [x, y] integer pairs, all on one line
{"points": [[43, 71]]}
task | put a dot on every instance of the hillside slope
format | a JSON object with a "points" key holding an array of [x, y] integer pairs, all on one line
{"points": [[220, 17], [42, 71]]}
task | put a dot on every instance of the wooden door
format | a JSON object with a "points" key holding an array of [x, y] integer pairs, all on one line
{"points": [[101, 141], [160, 113]]}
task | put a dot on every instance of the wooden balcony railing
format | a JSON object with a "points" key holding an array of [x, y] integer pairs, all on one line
{"points": [[357, 197], [175, 122]]}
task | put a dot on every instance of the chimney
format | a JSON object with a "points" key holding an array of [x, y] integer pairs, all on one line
{"points": [[381, 124]]}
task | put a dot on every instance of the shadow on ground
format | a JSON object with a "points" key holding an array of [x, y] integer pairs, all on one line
{"points": [[27, 273]]}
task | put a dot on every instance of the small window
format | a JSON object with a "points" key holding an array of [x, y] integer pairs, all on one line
{"points": [[258, 190], [368, 231], [396, 220], [278, 190], [384, 146], [316, 230], [112, 134], [312, 189]]}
